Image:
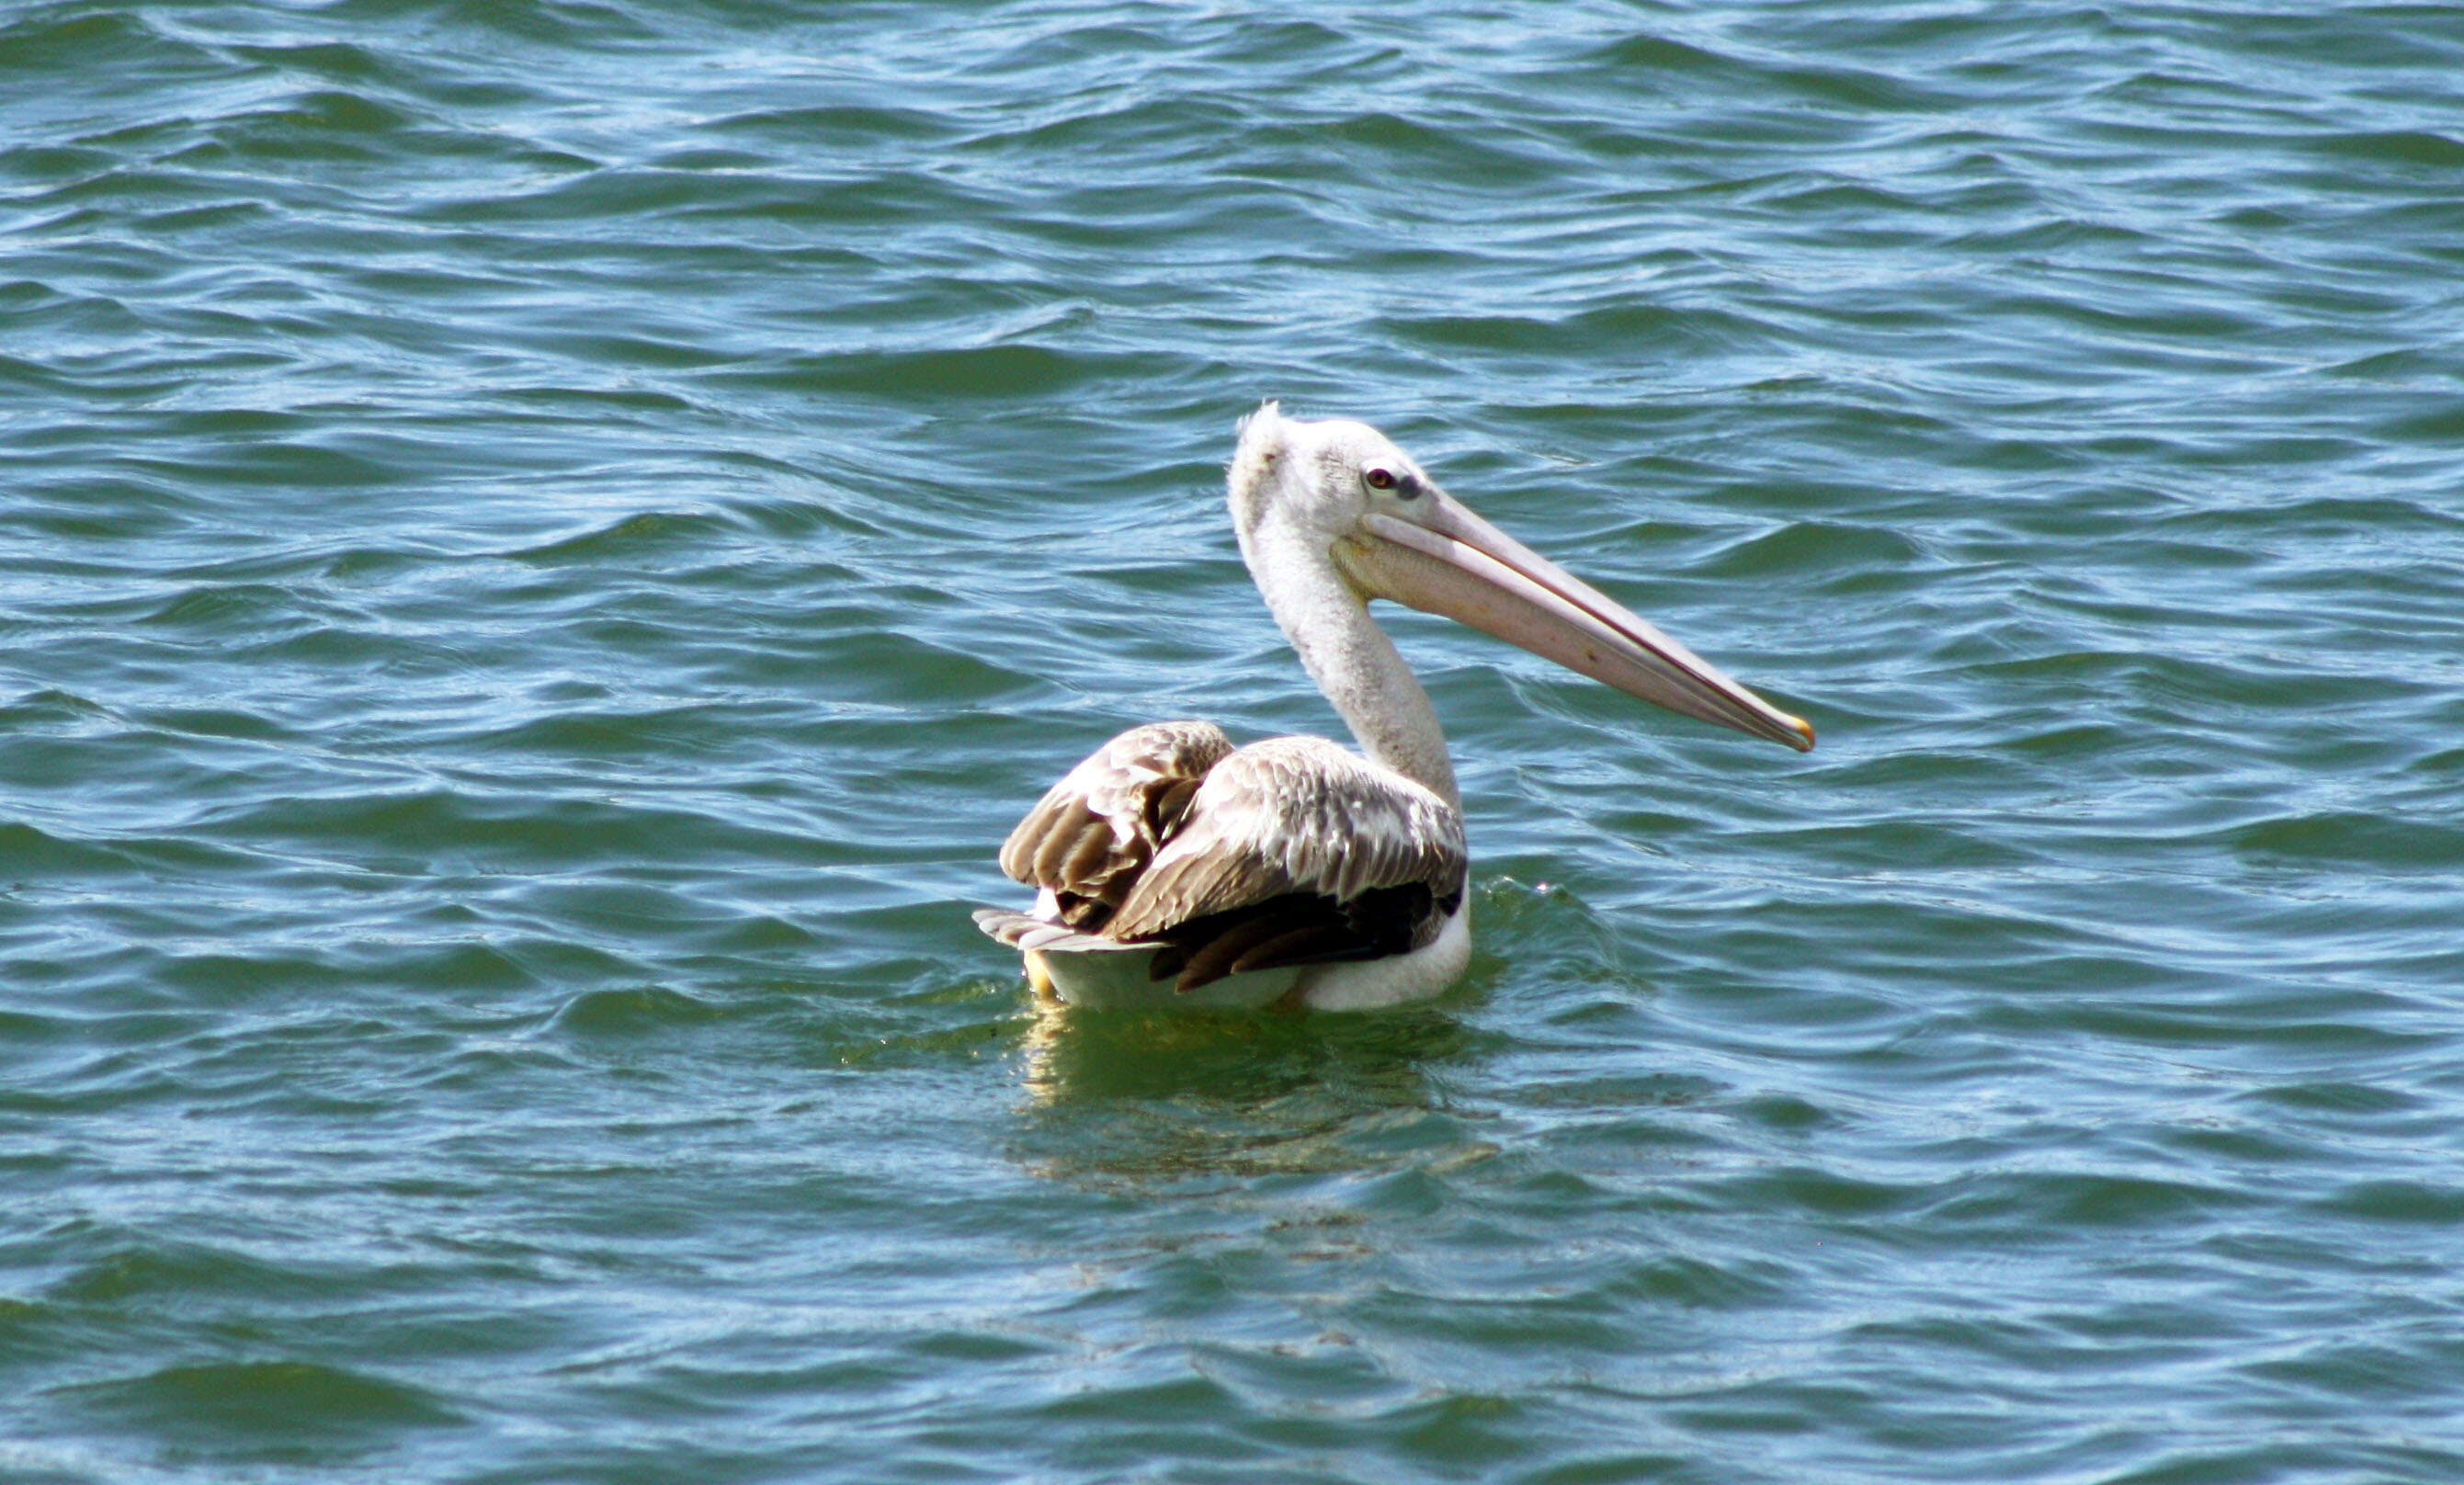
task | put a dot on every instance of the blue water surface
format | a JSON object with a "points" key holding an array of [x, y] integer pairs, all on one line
{"points": [[544, 546]]}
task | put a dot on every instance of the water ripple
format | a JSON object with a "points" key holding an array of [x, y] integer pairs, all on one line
{"points": [[547, 543]]}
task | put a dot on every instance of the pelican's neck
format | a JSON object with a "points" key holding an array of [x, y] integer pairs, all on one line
{"points": [[1350, 658]]}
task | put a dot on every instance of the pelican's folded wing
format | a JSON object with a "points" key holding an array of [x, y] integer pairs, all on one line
{"points": [[1091, 835], [1294, 851]]}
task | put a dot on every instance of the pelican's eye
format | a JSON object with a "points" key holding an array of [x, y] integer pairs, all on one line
{"points": [[1379, 479]]}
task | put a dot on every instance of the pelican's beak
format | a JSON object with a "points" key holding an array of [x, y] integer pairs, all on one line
{"points": [[1452, 562]]}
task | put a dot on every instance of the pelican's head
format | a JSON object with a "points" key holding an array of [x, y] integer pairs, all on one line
{"points": [[1322, 477], [1351, 498]]}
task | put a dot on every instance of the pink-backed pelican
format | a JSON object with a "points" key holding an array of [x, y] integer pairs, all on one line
{"points": [[1173, 869]]}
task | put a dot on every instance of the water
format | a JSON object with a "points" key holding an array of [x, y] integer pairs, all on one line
{"points": [[544, 546]]}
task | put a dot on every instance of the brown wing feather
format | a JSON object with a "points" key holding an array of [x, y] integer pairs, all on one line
{"points": [[1294, 815], [1093, 834], [1290, 851], [1298, 929]]}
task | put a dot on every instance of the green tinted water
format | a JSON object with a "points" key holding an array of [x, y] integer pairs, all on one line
{"points": [[543, 547]]}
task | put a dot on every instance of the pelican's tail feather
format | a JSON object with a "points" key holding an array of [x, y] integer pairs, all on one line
{"points": [[1027, 932]]}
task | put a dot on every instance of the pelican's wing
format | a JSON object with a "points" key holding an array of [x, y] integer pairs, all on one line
{"points": [[1293, 851], [1091, 835]]}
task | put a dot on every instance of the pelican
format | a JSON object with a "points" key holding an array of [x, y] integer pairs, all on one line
{"points": [[1173, 868]]}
